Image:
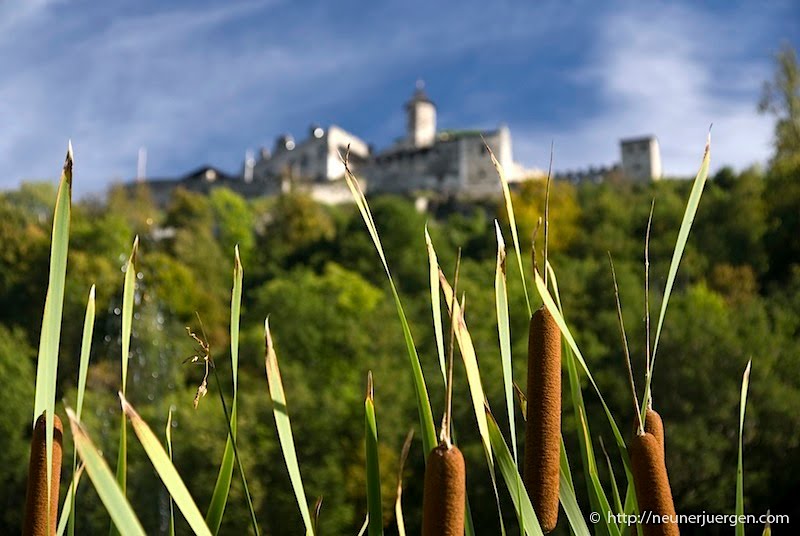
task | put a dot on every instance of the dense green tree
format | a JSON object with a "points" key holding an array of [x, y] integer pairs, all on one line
{"points": [[190, 219], [136, 205], [16, 420], [781, 98], [288, 232], [401, 227], [234, 220], [732, 226], [564, 214], [23, 264]]}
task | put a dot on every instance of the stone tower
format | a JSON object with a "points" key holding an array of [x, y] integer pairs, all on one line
{"points": [[641, 158], [420, 119]]}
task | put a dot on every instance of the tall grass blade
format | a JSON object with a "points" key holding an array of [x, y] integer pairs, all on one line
{"points": [[739, 463], [436, 305], [284, 427], [504, 334], [677, 254], [47, 362], [129, 286], [596, 488], [236, 456], [398, 502], [631, 508], [614, 488], [477, 395], [566, 495], [219, 498], [423, 403], [587, 452], [512, 222], [317, 510], [597, 495], [374, 503], [565, 332], [166, 471], [86, 347], [470, 364], [168, 436], [108, 490], [364, 527], [508, 469], [564, 465], [522, 400], [68, 508]]}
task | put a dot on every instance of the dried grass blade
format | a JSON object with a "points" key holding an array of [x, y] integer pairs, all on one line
{"points": [[166, 471], [115, 502], [740, 461], [284, 426]]}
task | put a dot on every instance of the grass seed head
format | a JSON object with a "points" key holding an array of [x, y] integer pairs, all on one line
{"points": [[543, 423], [652, 484], [445, 492], [37, 513]]}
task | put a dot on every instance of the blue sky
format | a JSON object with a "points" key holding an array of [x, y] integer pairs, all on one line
{"points": [[202, 82]]}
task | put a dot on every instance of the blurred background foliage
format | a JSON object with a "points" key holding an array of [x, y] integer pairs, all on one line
{"points": [[313, 269]]}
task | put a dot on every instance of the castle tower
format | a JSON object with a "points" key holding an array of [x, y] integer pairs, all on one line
{"points": [[641, 158], [420, 119]]}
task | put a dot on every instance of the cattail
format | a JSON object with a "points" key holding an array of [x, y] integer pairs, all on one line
{"points": [[38, 514], [654, 425], [543, 428], [652, 486], [445, 492]]}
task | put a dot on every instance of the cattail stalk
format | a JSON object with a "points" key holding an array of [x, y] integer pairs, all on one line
{"points": [[38, 514], [653, 492], [543, 428]]}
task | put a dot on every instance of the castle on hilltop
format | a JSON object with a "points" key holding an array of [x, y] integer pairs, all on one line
{"points": [[426, 161]]}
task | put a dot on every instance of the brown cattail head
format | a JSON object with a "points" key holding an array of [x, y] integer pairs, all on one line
{"points": [[445, 493], [654, 425], [37, 512], [543, 428], [652, 486]]}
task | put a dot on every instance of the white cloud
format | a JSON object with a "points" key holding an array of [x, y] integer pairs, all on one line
{"points": [[665, 71]]}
